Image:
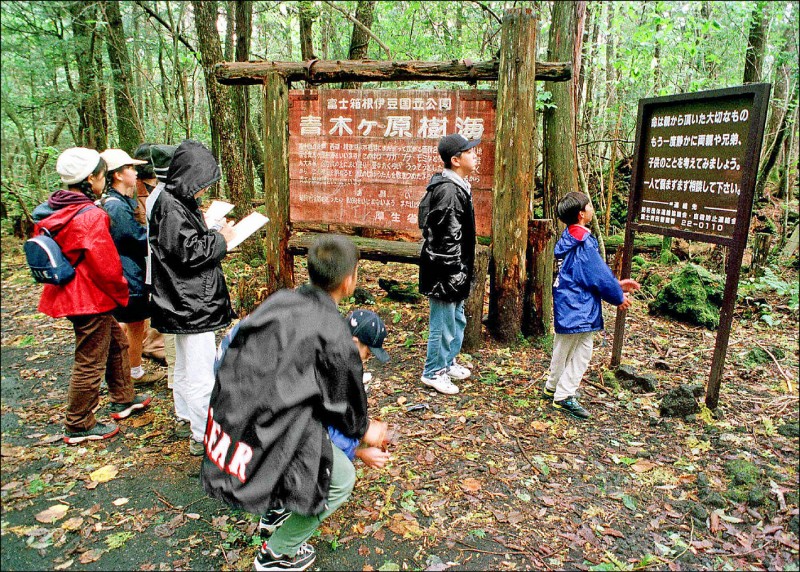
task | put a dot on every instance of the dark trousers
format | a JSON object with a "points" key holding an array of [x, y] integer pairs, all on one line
{"points": [[100, 346]]}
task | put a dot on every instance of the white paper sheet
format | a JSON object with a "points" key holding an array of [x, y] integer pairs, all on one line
{"points": [[245, 227], [216, 211]]}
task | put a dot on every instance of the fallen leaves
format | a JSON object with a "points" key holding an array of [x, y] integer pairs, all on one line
{"points": [[52, 514], [104, 474], [642, 466], [471, 485]]}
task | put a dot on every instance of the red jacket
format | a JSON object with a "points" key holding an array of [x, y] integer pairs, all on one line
{"points": [[98, 285]]}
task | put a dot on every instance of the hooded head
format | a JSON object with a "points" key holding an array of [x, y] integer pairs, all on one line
{"points": [[193, 168]]}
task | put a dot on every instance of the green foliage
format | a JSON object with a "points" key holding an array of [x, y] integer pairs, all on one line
{"points": [[753, 290], [118, 540]]}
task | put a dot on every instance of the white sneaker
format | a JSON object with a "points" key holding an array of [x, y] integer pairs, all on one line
{"points": [[441, 383], [458, 371]]}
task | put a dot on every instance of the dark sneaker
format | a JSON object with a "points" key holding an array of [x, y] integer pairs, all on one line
{"points": [[96, 433], [547, 393], [183, 429], [123, 410], [272, 521], [196, 448], [570, 405], [266, 559]]}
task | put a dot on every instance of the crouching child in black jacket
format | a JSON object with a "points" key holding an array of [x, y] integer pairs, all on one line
{"points": [[290, 372]]}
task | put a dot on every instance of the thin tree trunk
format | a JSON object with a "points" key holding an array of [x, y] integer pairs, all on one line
{"points": [[307, 14], [756, 42], [784, 92], [239, 188], [129, 128], [359, 39], [91, 131]]}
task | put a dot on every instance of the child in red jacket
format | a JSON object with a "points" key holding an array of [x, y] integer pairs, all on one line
{"points": [[89, 298]]}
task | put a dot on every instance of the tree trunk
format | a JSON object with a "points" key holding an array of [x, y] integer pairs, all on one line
{"points": [[92, 131], [277, 259], [538, 305], [240, 189], [129, 127], [515, 165], [560, 148], [307, 14], [359, 40], [783, 100], [756, 41]]}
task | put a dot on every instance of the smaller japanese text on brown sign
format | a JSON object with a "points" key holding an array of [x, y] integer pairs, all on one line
{"points": [[691, 160]]}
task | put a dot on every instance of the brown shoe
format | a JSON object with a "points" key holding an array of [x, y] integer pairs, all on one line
{"points": [[148, 378]]}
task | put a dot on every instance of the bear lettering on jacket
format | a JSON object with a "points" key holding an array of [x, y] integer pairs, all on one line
{"points": [[217, 443]]}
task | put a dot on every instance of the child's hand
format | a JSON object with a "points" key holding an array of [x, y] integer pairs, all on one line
{"points": [[373, 457], [227, 232], [626, 303], [629, 284], [376, 433]]}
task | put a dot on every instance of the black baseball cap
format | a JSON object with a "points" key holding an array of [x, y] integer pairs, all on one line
{"points": [[452, 145], [368, 327]]}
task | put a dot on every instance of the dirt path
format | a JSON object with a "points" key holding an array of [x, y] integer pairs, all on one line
{"points": [[490, 479]]}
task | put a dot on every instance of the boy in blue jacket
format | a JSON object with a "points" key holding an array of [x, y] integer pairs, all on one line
{"points": [[582, 281]]}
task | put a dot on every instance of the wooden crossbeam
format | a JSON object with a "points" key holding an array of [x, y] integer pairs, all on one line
{"points": [[333, 71]]}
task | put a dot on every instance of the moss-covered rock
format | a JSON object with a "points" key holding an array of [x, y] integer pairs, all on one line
{"points": [[679, 402], [715, 499], [610, 380], [742, 472], [401, 292], [790, 429], [693, 295], [757, 496]]}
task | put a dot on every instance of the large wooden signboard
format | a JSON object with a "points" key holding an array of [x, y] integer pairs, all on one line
{"points": [[364, 157], [694, 172]]}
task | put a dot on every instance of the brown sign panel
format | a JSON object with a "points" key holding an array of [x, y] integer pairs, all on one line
{"points": [[364, 157], [693, 155]]}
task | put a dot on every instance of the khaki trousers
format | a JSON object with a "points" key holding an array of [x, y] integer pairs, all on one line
{"points": [[571, 356]]}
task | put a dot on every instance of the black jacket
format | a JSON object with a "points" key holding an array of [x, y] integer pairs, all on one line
{"points": [[189, 291], [290, 371], [447, 259]]}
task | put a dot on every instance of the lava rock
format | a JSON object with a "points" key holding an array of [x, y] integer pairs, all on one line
{"points": [[791, 429], [679, 402]]}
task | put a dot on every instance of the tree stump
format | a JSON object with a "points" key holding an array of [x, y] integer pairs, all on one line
{"points": [[761, 244]]}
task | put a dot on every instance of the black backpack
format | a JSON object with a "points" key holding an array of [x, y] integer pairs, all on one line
{"points": [[46, 260]]}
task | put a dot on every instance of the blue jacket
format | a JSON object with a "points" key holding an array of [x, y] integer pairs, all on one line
{"points": [[130, 238], [348, 445], [583, 279]]}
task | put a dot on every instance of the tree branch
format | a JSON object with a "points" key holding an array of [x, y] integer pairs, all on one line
{"points": [[167, 26], [360, 25], [485, 8]]}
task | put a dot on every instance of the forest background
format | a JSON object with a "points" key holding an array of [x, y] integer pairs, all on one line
{"points": [[115, 74]]}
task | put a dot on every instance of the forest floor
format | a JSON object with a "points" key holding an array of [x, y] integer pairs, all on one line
{"points": [[492, 478]]}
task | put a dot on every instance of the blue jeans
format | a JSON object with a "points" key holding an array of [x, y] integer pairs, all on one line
{"points": [[445, 335]]}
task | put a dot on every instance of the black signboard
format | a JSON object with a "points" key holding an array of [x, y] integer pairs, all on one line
{"points": [[694, 171], [695, 158]]}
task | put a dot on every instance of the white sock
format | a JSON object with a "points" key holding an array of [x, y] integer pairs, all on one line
{"points": [[137, 372]]}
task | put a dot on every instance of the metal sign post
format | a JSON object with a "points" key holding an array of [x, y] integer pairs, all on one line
{"points": [[694, 172]]}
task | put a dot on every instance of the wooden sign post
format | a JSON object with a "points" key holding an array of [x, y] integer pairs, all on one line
{"points": [[694, 172]]}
